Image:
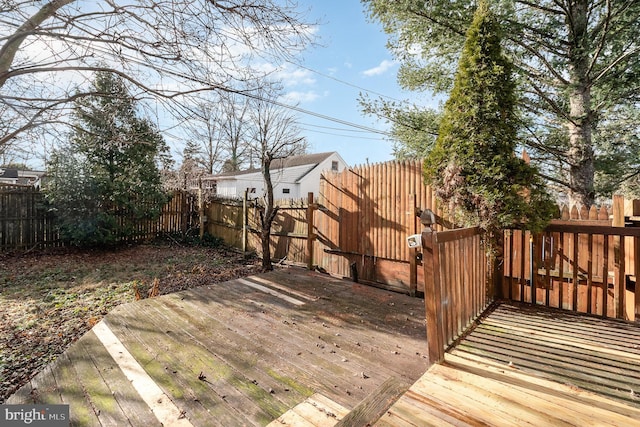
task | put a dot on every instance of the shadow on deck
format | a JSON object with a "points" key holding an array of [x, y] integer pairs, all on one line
{"points": [[289, 347], [530, 365]]}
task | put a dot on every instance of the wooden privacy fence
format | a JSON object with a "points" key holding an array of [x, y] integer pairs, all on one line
{"points": [[237, 222], [27, 221], [365, 215], [359, 224], [457, 278]]}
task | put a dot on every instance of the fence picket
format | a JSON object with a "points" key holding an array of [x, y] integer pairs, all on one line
{"points": [[25, 222]]}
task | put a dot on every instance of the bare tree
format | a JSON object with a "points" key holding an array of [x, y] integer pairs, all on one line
{"points": [[235, 128], [217, 129], [205, 137], [50, 48], [275, 135]]}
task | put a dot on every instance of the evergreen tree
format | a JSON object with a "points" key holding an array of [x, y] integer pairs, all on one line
{"points": [[107, 178], [192, 151], [473, 166]]}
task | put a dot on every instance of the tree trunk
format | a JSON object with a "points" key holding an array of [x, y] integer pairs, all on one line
{"points": [[265, 238], [269, 214], [580, 154]]}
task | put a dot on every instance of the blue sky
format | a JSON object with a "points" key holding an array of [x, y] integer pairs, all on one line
{"points": [[352, 50]]}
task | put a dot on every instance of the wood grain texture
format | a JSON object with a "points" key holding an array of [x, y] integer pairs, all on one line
{"points": [[530, 366]]}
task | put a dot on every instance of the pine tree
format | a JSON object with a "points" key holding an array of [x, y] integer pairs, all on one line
{"points": [[107, 178], [473, 166]]}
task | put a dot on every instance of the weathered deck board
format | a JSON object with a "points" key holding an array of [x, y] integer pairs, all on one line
{"points": [[375, 405], [530, 366], [593, 354], [309, 346], [316, 411], [103, 368]]}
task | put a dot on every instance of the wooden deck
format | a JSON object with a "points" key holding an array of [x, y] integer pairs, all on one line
{"points": [[531, 366], [285, 348], [303, 349]]}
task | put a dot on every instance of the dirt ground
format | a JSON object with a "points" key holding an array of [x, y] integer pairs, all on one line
{"points": [[50, 299]]}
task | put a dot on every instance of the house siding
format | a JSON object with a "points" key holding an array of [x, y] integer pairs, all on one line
{"points": [[299, 180], [311, 182]]}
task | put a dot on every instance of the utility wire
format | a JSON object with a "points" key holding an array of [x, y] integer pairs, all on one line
{"points": [[341, 135], [247, 94], [332, 128]]}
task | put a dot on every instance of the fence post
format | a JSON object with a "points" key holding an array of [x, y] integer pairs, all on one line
{"points": [[200, 209], [413, 252], [311, 207], [245, 220], [432, 291], [184, 214]]}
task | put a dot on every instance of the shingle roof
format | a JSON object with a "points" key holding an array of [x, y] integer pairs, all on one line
{"points": [[287, 162], [8, 173]]}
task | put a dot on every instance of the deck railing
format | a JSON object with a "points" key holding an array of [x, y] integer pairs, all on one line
{"points": [[581, 268], [456, 282]]}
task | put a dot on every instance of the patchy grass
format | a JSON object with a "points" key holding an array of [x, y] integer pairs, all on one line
{"points": [[48, 300]]}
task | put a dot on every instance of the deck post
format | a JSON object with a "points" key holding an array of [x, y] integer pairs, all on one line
{"points": [[636, 265], [497, 265], [432, 292], [413, 252], [619, 285]]}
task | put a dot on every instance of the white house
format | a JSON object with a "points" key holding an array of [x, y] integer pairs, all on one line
{"points": [[21, 177], [292, 177]]}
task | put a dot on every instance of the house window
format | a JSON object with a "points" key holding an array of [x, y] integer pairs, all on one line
{"points": [[334, 166], [285, 191]]}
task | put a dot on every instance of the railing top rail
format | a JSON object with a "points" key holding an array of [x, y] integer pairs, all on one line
{"points": [[457, 234], [594, 229]]}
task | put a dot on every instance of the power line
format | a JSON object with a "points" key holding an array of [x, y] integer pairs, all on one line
{"points": [[165, 69], [332, 128], [341, 135], [342, 81], [175, 73]]}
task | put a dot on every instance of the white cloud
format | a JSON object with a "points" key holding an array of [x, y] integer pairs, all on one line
{"points": [[382, 68], [295, 77], [296, 97]]}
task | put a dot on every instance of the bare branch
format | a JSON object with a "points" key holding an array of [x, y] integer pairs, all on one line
{"points": [[12, 46], [165, 48]]}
